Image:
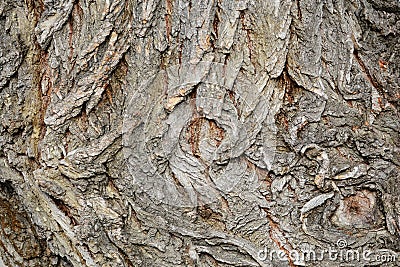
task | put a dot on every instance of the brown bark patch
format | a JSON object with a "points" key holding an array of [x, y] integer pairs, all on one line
{"points": [[15, 226], [358, 211], [200, 129], [217, 134]]}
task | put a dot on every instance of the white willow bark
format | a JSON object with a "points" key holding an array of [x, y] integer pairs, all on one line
{"points": [[198, 133]]}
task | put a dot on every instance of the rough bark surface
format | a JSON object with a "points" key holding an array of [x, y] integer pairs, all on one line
{"points": [[197, 133]]}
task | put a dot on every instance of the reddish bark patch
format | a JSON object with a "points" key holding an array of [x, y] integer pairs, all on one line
{"points": [[383, 64], [70, 36], [292, 89], [168, 20], [236, 102], [35, 8], [201, 128], [358, 211], [194, 130], [211, 217], [15, 225], [216, 133], [216, 21], [363, 67], [249, 34], [277, 236], [64, 208]]}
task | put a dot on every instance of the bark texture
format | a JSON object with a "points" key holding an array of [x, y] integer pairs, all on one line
{"points": [[197, 133]]}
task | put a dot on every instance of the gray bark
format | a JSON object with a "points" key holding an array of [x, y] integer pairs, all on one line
{"points": [[198, 133]]}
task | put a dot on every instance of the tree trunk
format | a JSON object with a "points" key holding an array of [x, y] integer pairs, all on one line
{"points": [[199, 133]]}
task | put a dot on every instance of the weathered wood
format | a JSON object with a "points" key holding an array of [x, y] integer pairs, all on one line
{"points": [[198, 133]]}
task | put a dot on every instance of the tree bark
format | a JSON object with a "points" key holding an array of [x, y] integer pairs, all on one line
{"points": [[198, 133]]}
